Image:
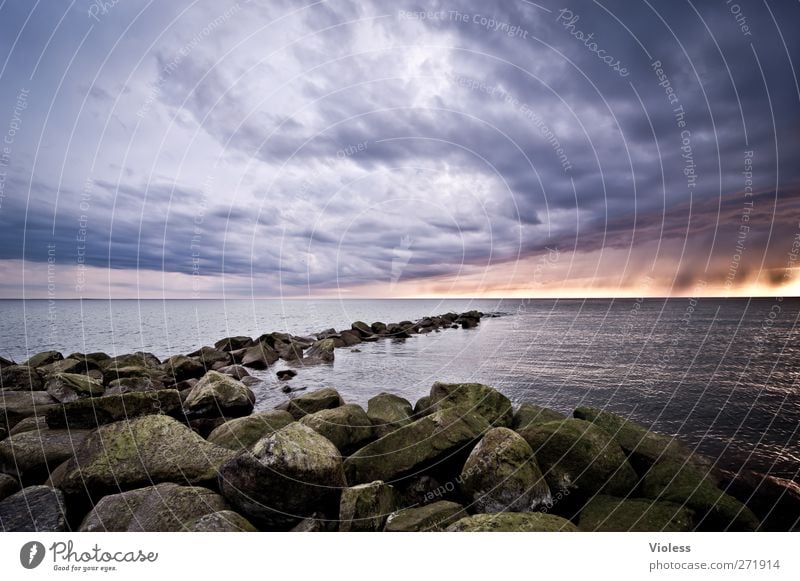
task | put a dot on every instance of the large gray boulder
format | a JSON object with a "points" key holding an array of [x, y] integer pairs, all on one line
{"points": [[481, 399], [513, 522], [347, 426], [259, 356], [97, 411], [286, 477], [365, 507], [388, 412], [44, 358], [139, 452], [180, 368], [242, 433], [529, 414], [36, 509], [501, 475], [18, 405], [219, 395], [165, 507], [31, 456], [20, 377], [66, 387], [577, 456], [321, 351], [309, 403], [416, 446], [133, 384], [436, 516]]}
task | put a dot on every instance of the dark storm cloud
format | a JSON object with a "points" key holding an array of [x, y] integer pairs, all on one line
{"points": [[452, 132]]}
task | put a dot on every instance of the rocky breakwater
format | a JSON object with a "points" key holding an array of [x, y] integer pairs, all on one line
{"points": [[92, 442]]}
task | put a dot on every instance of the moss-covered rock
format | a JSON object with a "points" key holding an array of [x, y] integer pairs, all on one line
{"points": [[44, 358], [165, 507], [97, 411], [286, 477], [481, 399], [32, 455], [309, 403], [321, 351], [422, 407], [20, 377], [436, 516], [416, 445], [513, 522], [610, 514], [15, 406], [133, 384], [259, 356], [219, 395], [365, 507], [501, 475], [36, 509], [242, 433], [180, 367], [689, 485], [347, 426], [577, 456], [223, 521], [139, 452], [66, 387], [529, 414], [388, 412]]}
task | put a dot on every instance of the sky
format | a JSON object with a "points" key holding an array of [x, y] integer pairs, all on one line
{"points": [[271, 148]]}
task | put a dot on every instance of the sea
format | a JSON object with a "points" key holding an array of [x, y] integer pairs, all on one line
{"points": [[720, 374]]}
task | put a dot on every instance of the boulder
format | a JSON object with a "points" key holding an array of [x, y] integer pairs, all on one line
{"points": [[113, 373], [44, 358], [609, 514], [362, 329], [436, 516], [211, 357], [138, 359], [136, 453], [133, 384], [350, 338], [236, 371], [30, 424], [17, 405], [529, 414], [8, 485], [233, 343], [259, 356], [66, 387], [396, 331], [219, 395], [378, 328], [501, 475], [365, 507], [320, 352], [36, 509], [643, 447], [286, 477], [97, 411], [286, 374], [775, 501], [577, 456], [316, 523], [482, 399], [416, 445], [242, 433], [689, 485], [423, 406], [31, 456], [223, 521], [309, 403], [181, 367], [388, 412], [290, 351], [421, 489], [347, 426], [165, 507], [513, 522], [5, 362], [20, 377]]}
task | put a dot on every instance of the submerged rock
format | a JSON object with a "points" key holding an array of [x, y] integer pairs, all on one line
{"points": [[609, 514], [501, 475], [286, 374], [387, 412], [513, 522], [365, 507], [242, 433], [481, 399], [36, 509], [287, 476], [436, 516]]}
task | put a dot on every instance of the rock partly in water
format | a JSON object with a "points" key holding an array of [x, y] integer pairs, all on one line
{"points": [[481, 399], [309, 403], [164, 507], [219, 395], [320, 352], [259, 356], [286, 374], [387, 412], [362, 329], [97, 411], [436, 516], [347, 426], [691, 486], [513, 522], [139, 452], [31, 456], [180, 367], [610, 514], [66, 387], [242, 433], [365, 507], [529, 414], [286, 477], [36, 509], [416, 445], [577, 456], [501, 475], [775, 501]]}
